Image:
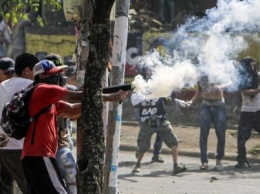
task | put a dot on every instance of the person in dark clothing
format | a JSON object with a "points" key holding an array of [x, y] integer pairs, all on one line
{"points": [[153, 119]]}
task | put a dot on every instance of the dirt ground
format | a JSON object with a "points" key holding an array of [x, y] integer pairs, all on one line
{"points": [[189, 137]]}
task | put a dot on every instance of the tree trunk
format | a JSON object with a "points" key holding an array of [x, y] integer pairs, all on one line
{"points": [[91, 152]]}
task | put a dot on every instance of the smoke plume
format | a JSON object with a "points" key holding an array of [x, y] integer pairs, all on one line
{"points": [[210, 46]]}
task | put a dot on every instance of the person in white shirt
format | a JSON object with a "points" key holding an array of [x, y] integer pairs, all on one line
{"points": [[250, 110], [6, 72], [10, 155]]}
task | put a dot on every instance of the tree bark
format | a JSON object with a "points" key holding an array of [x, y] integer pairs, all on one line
{"points": [[91, 151]]}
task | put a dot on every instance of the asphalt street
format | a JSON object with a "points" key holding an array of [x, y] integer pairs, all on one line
{"points": [[157, 178]]}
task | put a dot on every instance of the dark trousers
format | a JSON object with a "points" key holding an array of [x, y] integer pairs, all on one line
{"points": [[247, 122], [11, 168], [6, 182]]}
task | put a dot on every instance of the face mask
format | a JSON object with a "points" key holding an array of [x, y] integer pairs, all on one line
{"points": [[63, 81], [55, 80]]}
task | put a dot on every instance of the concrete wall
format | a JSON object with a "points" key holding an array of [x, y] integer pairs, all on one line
{"points": [[61, 44]]}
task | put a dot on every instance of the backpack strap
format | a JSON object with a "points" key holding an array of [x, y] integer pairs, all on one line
{"points": [[35, 118]]}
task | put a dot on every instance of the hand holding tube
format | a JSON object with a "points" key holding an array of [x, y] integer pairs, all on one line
{"points": [[118, 96], [113, 89]]}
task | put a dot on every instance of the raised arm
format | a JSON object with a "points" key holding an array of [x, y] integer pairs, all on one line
{"points": [[250, 92], [197, 96], [76, 96]]}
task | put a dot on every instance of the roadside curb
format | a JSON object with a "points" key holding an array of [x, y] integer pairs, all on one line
{"points": [[228, 156], [182, 152]]}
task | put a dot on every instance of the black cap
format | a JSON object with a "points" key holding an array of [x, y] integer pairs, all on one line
{"points": [[6, 64], [70, 71], [70, 62]]}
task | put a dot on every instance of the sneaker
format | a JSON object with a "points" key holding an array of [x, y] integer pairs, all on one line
{"points": [[243, 164], [204, 166], [136, 168], [219, 167], [157, 159], [179, 169]]}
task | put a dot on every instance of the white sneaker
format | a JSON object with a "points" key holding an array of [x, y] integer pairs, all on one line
{"points": [[219, 167]]}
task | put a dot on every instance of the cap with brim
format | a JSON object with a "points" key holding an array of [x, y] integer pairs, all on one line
{"points": [[7, 64], [47, 67], [9, 69]]}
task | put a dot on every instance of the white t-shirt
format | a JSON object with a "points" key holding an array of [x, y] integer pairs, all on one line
{"points": [[7, 90], [137, 99], [251, 104]]}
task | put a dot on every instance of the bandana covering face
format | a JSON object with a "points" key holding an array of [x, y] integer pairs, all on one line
{"points": [[58, 79]]}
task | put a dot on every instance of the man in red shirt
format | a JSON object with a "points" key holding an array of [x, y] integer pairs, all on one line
{"points": [[41, 141]]}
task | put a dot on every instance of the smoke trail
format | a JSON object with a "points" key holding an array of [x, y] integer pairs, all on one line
{"points": [[205, 46]]}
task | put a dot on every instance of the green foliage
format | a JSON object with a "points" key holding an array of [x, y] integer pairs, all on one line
{"points": [[54, 4], [15, 10]]}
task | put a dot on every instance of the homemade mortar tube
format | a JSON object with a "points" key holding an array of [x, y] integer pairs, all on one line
{"points": [[113, 89]]}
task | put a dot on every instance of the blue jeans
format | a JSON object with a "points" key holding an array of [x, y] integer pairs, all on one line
{"points": [[217, 115], [67, 168]]}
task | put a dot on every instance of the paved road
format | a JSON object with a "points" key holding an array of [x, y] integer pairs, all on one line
{"points": [[157, 178]]}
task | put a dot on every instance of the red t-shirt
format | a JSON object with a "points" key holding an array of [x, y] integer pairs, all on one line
{"points": [[46, 131]]}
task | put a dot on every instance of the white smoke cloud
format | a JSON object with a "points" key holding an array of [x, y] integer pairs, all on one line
{"points": [[210, 45]]}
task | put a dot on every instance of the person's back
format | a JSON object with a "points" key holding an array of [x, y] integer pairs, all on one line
{"points": [[6, 72], [8, 88], [10, 154]]}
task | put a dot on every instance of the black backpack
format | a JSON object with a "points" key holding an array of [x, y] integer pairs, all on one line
{"points": [[15, 119]]}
